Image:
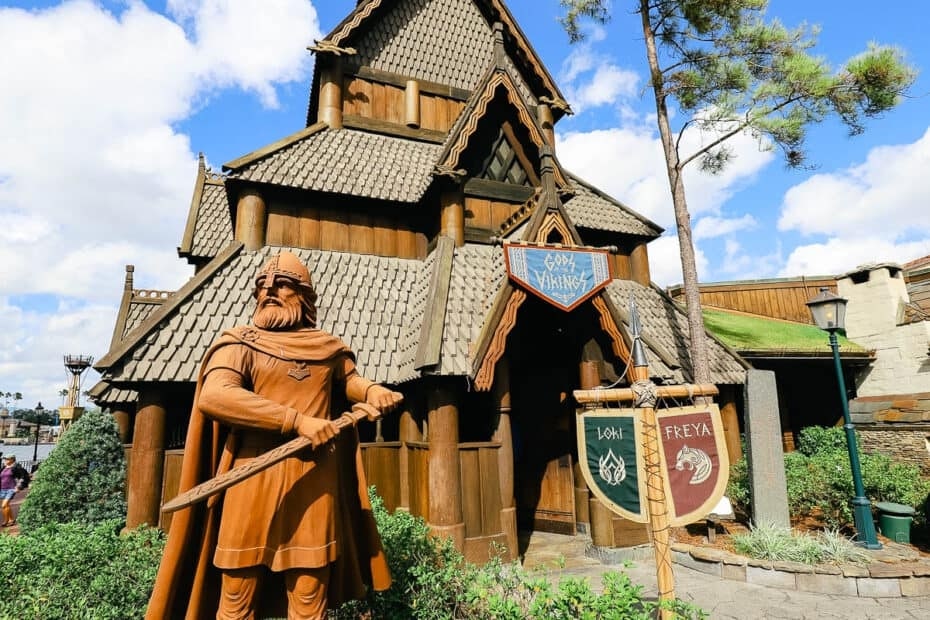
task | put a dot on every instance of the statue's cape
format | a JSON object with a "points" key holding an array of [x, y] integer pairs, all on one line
{"points": [[187, 562]]}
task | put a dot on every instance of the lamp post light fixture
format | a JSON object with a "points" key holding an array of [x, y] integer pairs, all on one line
{"points": [[829, 312], [35, 452]]}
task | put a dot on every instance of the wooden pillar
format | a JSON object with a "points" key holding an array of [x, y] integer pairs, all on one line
{"points": [[148, 460], [546, 121], [408, 431], [639, 264], [589, 379], [123, 420], [412, 104], [730, 419], [330, 111], [251, 217], [445, 478], [504, 435], [452, 222]]}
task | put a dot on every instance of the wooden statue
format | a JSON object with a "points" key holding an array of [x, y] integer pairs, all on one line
{"points": [[300, 533]]}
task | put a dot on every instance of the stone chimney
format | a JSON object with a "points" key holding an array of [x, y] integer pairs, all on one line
{"points": [[876, 294]]}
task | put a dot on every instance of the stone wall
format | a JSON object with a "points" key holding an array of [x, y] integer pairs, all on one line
{"points": [[876, 307], [896, 425]]}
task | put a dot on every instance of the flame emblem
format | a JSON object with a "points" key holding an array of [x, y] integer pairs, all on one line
{"points": [[612, 469]]}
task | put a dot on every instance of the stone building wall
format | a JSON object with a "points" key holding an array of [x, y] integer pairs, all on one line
{"points": [[896, 425], [903, 445]]}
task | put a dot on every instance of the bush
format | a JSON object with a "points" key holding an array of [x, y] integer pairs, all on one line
{"points": [[83, 479], [432, 581], [819, 479], [78, 571]]}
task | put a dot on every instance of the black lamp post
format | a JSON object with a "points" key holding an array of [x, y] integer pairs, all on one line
{"points": [[829, 313], [35, 451]]}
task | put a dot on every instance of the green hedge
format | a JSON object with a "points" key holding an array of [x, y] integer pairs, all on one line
{"points": [[819, 479], [83, 479], [78, 571]]}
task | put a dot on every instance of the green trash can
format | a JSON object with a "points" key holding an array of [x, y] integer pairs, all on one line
{"points": [[894, 521]]}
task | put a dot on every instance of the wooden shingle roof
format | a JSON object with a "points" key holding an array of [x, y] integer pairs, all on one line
{"points": [[345, 161], [665, 333], [209, 225], [592, 208], [445, 41], [366, 300]]}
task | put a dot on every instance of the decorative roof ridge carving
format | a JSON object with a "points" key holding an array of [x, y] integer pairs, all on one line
{"points": [[123, 314], [187, 239], [150, 296], [134, 338], [274, 147], [328, 47], [467, 123]]}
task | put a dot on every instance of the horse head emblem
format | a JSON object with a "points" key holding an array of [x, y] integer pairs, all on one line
{"points": [[694, 460]]}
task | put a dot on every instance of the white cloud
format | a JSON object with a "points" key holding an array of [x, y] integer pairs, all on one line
{"points": [[887, 195], [711, 226], [839, 255], [94, 172], [628, 163], [665, 261]]}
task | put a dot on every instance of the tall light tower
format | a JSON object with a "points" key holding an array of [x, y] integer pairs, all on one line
{"points": [[72, 410]]}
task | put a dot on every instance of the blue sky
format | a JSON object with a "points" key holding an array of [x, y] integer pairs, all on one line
{"points": [[105, 105]]}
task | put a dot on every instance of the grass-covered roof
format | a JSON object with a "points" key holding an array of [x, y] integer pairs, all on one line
{"points": [[752, 334]]}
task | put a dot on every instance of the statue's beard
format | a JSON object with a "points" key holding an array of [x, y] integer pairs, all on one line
{"points": [[275, 317]]}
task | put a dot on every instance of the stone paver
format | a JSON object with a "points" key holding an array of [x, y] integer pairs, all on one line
{"points": [[731, 600]]}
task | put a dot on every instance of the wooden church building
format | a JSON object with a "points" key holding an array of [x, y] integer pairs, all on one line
{"points": [[426, 167]]}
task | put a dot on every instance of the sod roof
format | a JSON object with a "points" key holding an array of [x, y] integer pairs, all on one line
{"points": [[760, 336]]}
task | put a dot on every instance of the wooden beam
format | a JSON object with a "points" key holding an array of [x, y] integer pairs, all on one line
{"points": [[485, 188], [394, 79], [430, 345], [394, 129]]}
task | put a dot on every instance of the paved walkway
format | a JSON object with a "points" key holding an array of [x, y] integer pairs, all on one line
{"points": [[720, 598]]}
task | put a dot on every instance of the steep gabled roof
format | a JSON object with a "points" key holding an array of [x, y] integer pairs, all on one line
{"points": [[343, 161], [496, 83], [368, 301], [209, 225], [444, 41], [592, 208]]}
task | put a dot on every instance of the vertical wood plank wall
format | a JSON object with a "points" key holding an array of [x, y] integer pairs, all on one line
{"points": [[781, 300], [485, 214], [385, 102], [330, 229]]}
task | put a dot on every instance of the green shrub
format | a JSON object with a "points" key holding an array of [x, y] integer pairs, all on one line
{"points": [[819, 439], [83, 479], [432, 581], [78, 571], [819, 479]]}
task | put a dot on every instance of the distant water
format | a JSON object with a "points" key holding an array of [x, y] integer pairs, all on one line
{"points": [[24, 453]]}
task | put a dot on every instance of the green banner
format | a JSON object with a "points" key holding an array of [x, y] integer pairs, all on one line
{"points": [[610, 454]]}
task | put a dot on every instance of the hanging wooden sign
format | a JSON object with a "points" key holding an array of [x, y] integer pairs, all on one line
{"points": [[610, 453], [561, 276], [694, 460]]}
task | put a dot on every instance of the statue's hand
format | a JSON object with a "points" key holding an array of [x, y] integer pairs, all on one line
{"points": [[383, 399], [317, 430]]}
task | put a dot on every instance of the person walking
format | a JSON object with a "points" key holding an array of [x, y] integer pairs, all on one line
{"points": [[12, 478]]}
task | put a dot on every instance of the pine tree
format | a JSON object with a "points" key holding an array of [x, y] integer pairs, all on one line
{"points": [[83, 479], [729, 71]]}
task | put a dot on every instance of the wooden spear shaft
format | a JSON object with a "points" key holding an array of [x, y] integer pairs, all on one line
{"points": [[262, 462]]}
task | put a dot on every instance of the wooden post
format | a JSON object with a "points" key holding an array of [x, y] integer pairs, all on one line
{"points": [[331, 93], [639, 264], [453, 217], [409, 431], [251, 218], [546, 121], [412, 104], [730, 419], [148, 461], [504, 434], [590, 378], [123, 420], [445, 478]]}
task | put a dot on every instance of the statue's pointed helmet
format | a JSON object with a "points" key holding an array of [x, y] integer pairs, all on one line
{"points": [[283, 265]]}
